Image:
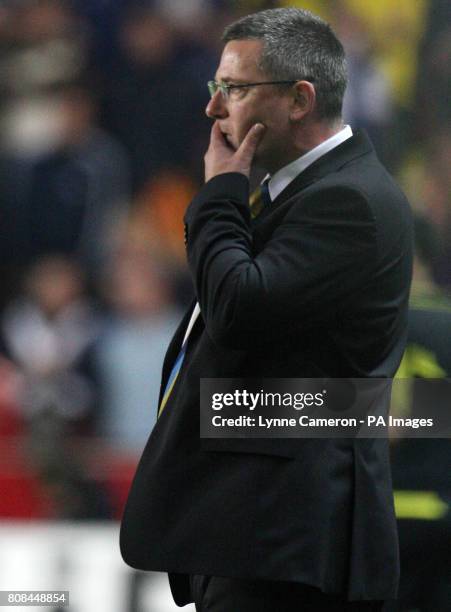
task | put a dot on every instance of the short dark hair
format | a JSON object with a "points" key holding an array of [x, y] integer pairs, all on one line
{"points": [[297, 43]]}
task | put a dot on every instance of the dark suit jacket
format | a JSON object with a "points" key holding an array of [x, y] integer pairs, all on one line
{"points": [[317, 286]]}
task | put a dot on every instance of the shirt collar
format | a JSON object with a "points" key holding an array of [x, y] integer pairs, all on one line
{"points": [[283, 177]]}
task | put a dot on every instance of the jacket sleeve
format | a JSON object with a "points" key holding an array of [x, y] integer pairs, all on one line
{"points": [[322, 250]]}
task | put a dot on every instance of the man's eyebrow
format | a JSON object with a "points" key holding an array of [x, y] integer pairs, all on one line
{"points": [[230, 80]]}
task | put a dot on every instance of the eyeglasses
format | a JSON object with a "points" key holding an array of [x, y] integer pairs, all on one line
{"points": [[225, 88]]}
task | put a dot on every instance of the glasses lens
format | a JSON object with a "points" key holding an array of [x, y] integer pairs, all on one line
{"points": [[212, 87]]}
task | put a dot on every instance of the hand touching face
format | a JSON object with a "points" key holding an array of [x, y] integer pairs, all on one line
{"points": [[221, 157]]}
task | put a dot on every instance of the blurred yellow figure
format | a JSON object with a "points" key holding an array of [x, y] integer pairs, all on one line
{"points": [[395, 30]]}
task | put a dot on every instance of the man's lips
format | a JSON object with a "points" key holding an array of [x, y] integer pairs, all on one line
{"points": [[228, 139]]}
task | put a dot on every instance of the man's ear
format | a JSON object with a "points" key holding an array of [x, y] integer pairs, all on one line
{"points": [[304, 100]]}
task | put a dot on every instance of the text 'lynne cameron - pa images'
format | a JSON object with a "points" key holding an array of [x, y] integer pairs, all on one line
{"points": [[325, 408]]}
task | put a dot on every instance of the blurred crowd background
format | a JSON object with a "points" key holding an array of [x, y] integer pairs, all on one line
{"points": [[102, 137]]}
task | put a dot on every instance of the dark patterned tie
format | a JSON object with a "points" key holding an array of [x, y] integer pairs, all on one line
{"points": [[259, 199]]}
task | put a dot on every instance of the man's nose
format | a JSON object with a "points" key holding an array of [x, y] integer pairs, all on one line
{"points": [[216, 108]]}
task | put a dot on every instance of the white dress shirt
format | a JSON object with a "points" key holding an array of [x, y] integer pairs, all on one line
{"points": [[283, 177]]}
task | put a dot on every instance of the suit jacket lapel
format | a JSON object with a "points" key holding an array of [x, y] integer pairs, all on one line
{"points": [[359, 144]]}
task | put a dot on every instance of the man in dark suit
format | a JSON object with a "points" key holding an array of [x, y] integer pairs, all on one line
{"points": [[316, 285]]}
